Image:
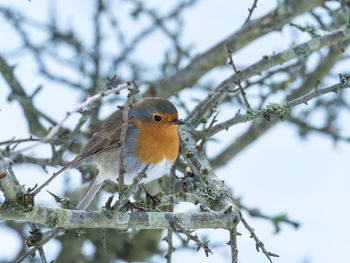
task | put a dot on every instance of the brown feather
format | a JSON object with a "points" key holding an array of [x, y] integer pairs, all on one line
{"points": [[106, 139]]}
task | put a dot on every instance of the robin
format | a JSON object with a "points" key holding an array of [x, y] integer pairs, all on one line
{"points": [[151, 140]]}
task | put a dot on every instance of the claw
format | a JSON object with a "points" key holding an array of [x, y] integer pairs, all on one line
{"points": [[131, 207], [154, 198]]}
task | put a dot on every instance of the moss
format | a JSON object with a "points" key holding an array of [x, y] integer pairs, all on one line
{"points": [[281, 110]]}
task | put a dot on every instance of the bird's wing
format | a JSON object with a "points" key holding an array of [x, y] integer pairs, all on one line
{"points": [[103, 140], [107, 138]]}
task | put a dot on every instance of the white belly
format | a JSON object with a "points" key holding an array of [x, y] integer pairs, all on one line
{"points": [[108, 166], [153, 172]]}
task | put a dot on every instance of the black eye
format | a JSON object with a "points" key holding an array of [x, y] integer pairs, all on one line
{"points": [[157, 117]]}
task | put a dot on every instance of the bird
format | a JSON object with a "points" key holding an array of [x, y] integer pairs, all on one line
{"points": [[151, 143]]}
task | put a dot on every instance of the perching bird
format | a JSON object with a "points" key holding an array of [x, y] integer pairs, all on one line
{"points": [[151, 139]]}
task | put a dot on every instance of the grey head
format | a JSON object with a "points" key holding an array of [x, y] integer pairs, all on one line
{"points": [[144, 110]]}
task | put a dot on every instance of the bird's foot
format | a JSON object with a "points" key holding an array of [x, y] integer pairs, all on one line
{"points": [[153, 198], [131, 207]]}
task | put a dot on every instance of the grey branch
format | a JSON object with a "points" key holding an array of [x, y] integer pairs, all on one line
{"points": [[73, 219], [267, 62], [216, 56], [261, 114]]}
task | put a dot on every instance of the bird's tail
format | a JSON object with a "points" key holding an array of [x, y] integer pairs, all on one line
{"points": [[90, 193]]}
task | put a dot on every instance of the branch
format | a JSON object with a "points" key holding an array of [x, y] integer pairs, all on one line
{"points": [[125, 196], [31, 113], [17, 141], [73, 219], [125, 123], [14, 193], [239, 83], [55, 129], [180, 229], [326, 130], [267, 62], [274, 111], [207, 184], [259, 244], [260, 127], [251, 10], [8, 185], [233, 245], [201, 64]]}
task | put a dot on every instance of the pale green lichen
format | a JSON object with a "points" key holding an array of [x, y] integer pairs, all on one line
{"points": [[66, 202], [122, 219], [300, 51], [252, 114], [53, 219], [308, 29], [156, 219], [210, 192], [64, 215], [281, 110], [107, 212], [186, 219], [80, 232], [288, 55], [314, 43], [342, 80]]}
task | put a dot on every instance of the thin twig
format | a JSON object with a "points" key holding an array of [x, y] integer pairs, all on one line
{"points": [[267, 62], [171, 249], [240, 118], [259, 244], [169, 238], [34, 228], [250, 12], [238, 79], [12, 141], [125, 123], [8, 181], [124, 197], [55, 129], [180, 229], [48, 236], [233, 245], [201, 145]]}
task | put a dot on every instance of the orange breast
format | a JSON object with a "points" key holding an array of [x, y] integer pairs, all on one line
{"points": [[156, 142]]}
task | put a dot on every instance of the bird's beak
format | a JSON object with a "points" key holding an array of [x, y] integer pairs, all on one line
{"points": [[177, 122]]}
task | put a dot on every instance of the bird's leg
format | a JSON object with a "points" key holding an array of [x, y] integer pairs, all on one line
{"points": [[154, 198], [132, 206]]}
